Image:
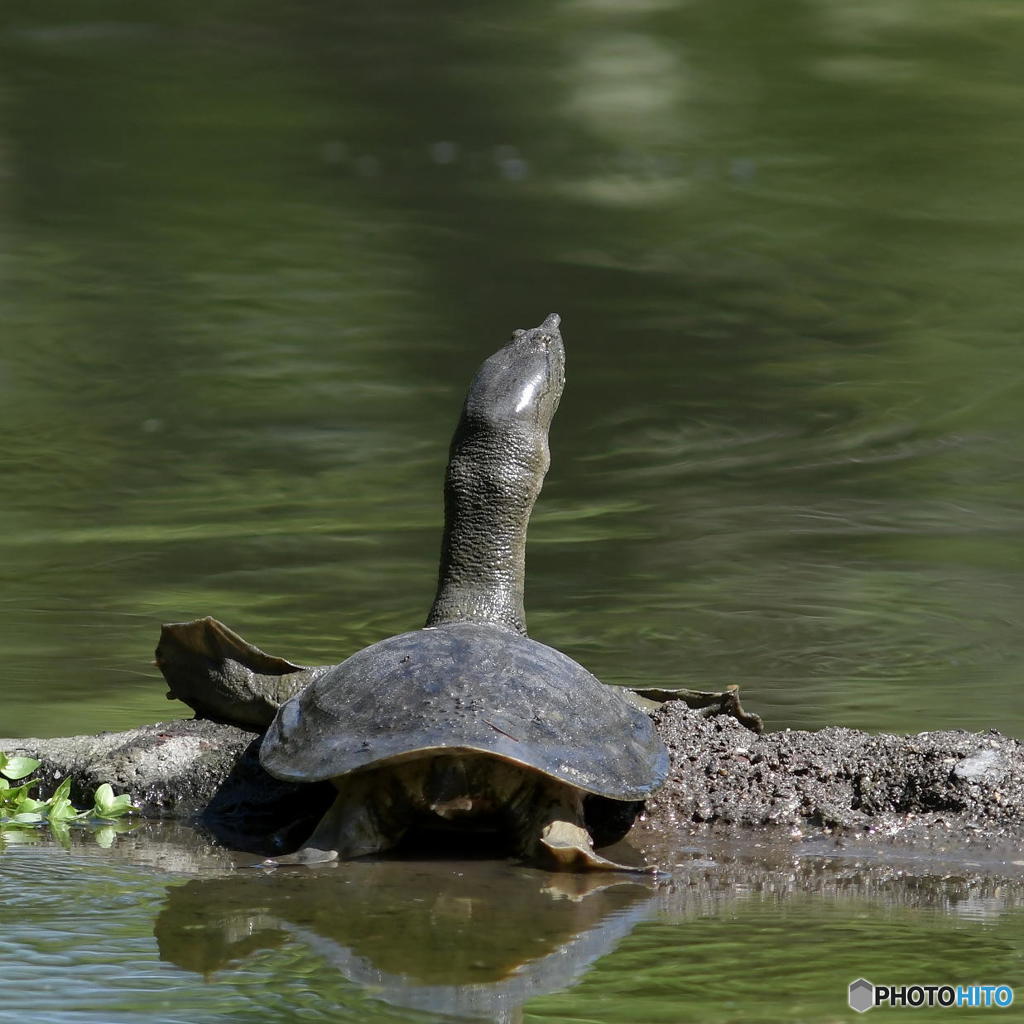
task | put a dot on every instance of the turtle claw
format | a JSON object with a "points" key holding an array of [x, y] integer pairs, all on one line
{"points": [[709, 703], [567, 847], [352, 827], [307, 856]]}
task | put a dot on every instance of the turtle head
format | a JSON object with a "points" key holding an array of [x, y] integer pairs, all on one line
{"points": [[520, 385]]}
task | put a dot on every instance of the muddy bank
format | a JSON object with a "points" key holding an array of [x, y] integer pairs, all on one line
{"points": [[170, 768], [838, 781], [192, 770], [930, 788]]}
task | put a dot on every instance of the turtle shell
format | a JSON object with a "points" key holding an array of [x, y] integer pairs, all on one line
{"points": [[467, 686]]}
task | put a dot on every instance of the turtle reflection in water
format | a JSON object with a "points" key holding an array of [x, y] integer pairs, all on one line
{"points": [[466, 939], [467, 721]]}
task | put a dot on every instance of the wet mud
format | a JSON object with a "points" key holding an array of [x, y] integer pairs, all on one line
{"points": [[937, 789]]}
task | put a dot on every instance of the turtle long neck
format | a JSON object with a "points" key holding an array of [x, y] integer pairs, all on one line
{"points": [[496, 466]]}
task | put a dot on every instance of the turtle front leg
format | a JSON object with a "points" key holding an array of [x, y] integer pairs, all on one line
{"points": [[555, 837], [357, 824]]}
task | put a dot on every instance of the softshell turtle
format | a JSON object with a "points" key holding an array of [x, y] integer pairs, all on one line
{"points": [[467, 721]]}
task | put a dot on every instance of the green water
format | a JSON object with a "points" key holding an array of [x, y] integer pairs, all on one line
{"points": [[250, 255], [766, 937]]}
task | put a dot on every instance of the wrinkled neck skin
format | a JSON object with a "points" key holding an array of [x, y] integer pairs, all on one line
{"points": [[496, 467]]}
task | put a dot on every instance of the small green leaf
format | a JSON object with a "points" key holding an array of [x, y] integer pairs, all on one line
{"points": [[104, 798], [15, 794], [122, 805], [27, 818], [110, 806], [63, 791], [18, 767], [61, 811], [60, 803]]}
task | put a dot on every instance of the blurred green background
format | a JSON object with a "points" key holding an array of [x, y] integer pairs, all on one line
{"points": [[251, 254]]}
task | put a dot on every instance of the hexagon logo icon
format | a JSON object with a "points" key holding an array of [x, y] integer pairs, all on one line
{"points": [[862, 995]]}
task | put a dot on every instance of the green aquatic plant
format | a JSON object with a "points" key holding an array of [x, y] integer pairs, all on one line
{"points": [[20, 810]]}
